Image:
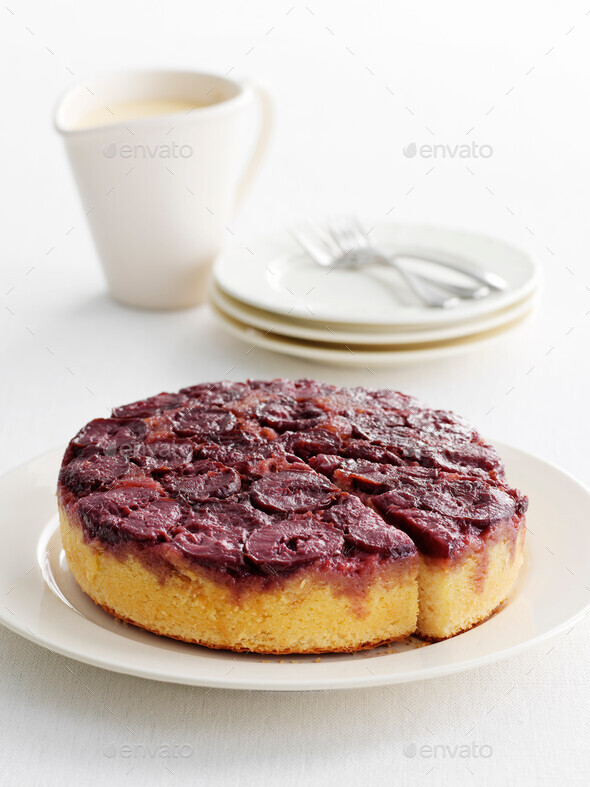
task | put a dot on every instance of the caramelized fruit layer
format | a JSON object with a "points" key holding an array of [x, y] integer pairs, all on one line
{"points": [[262, 478]]}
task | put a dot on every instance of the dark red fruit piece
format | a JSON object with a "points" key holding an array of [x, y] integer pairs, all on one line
{"points": [[312, 442], [226, 514], [326, 464], [250, 456], [471, 501], [204, 479], [293, 542], [360, 449], [203, 424], [290, 415], [218, 546], [376, 426], [216, 394], [360, 475], [160, 456], [130, 498], [153, 522], [93, 473], [102, 513], [145, 408], [434, 535], [292, 491], [365, 529], [110, 435]]}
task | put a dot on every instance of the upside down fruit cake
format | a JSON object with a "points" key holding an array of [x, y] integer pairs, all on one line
{"points": [[289, 517]]}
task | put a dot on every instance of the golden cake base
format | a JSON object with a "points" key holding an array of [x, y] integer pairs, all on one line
{"points": [[307, 612], [455, 598], [304, 614]]}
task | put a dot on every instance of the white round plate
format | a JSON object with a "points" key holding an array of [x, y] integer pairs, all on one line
{"points": [[41, 601], [273, 274], [361, 355], [309, 331]]}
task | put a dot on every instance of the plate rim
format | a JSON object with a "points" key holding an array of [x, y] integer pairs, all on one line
{"points": [[287, 684], [344, 356], [261, 320]]}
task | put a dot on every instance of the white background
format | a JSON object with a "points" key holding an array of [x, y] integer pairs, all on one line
{"points": [[354, 83]]}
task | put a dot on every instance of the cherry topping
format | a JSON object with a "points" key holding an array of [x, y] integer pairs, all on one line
{"points": [[93, 473], [290, 415], [145, 408], [110, 435], [215, 545], [204, 479], [365, 529], [263, 468], [292, 491], [293, 542], [160, 456], [203, 424]]}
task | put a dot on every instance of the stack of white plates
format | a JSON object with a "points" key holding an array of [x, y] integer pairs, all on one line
{"points": [[272, 295]]}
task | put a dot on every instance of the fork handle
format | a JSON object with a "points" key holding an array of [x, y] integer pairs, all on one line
{"points": [[430, 296], [467, 293], [491, 280]]}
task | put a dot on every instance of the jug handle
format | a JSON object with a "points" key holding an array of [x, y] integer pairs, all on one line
{"points": [[264, 134]]}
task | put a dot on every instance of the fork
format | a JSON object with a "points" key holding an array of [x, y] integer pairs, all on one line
{"points": [[326, 247], [345, 244], [488, 279]]}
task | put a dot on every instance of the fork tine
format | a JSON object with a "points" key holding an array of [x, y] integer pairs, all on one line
{"points": [[318, 244], [338, 237], [348, 234], [355, 236], [311, 247], [347, 238], [328, 239], [359, 229]]}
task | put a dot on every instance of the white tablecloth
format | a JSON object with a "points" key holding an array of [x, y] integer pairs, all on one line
{"points": [[354, 85]]}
